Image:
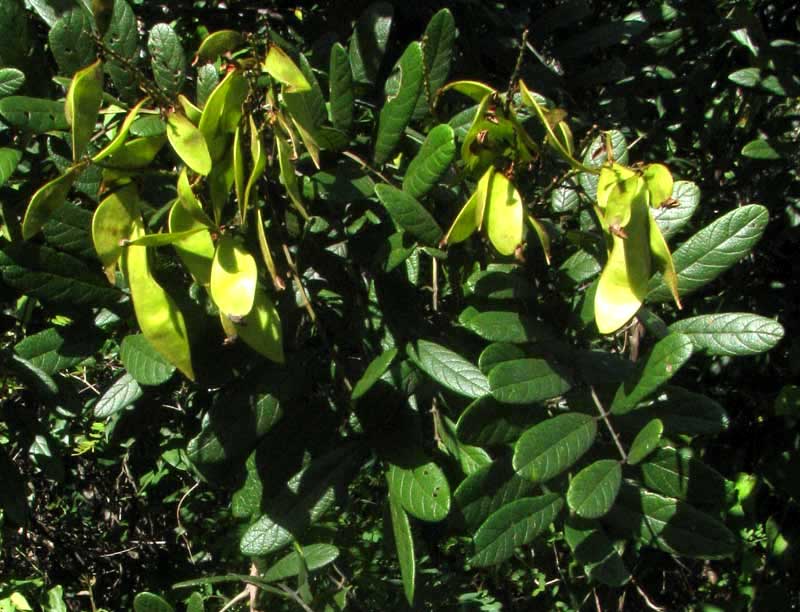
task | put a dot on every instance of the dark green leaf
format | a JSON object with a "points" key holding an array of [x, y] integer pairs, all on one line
{"points": [[56, 349], [314, 557], [687, 413], [69, 230], [564, 198], [731, 333], [437, 53], [342, 94], [760, 149], [404, 544], [167, 59], [195, 603], [33, 114], [549, 448], [595, 551], [123, 38], [497, 353], [593, 490], [15, 40], [143, 362], [398, 109], [486, 422], [676, 473], [9, 158], [524, 381], [505, 326], [207, 80], [646, 441], [150, 602], [432, 161], [514, 525], [667, 357], [11, 80], [451, 370], [368, 43], [51, 276], [122, 393], [409, 214], [670, 219], [374, 371], [499, 282], [712, 250], [71, 41], [33, 377], [422, 490]]}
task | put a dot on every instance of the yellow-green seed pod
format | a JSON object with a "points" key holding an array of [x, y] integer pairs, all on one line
{"points": [[196, 251], [662, 259], [223, 111], [234, 276], [504, 214], [261, 328], [471, 216], [193, 113], [112, 224], [189, 143], [659, 183], [281, 68], [84, 97], [189, 200], [259, 156]]}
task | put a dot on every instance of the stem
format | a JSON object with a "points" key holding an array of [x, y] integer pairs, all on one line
{"points": [[515, 74], [365, 166], [604, 416]]}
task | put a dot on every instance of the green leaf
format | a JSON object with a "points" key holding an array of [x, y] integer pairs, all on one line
{"points": [[422, 490], [712, 250], [594, 550], [84, 97], [409, 214], [524, 381], [143, 362], [122, 393], [9, 159], [122, 37], [514, 525], [486, 422], [451, 370], [11, 80], [760, 148], [404, 544], [437, 53], [195, 603], [234, 277], [342, 94], [756, 79], [189, 143], [667, 357], [47, 200], [71, 41], [506, 326], [549, 448], [218, 43], [676, 473], [167, 59], [398, 109], [207, 81], [432, 161], [670, 524], [487, 490], [59, 348], [374, 371], [368, 43], [687, 413], [149, 602], [15, 38], [36, 115], [731, 333], [565, 198], [593, 490], [282, 68], [670, 219], [499, 282], [261, 329], [314, 557], [53, 277], [497, 353], [307, 496], [646, 441]]}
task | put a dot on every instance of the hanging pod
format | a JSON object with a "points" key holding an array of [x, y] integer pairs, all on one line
{"points": [[222, 112], [159, 317], [84, 97], [504, 214], [260, 329], [197, 250], [112, 223], [471, 216], [188, 142], [234, 276]]}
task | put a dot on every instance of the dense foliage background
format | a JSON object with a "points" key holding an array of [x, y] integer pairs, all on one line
{"points": [[148, 490]]}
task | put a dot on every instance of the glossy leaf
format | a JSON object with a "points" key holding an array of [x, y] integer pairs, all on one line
{"points": [[549, 448], [282, 68], [122, 37], [514, 525], [11, 80], [342, 94], [667, 357], [150, 602], [676, 473], [112, 223], [760, 148], [486, 422], [451, 370], [499, 352], [504, 214], [143, 362], [36, 115], [136, 153], [49, 198], [84, 97], [507, 326], [167, 59], [222, 113], [233, 277], [189, 143], [261, 329], [9, 159], [218, 43], [437, 53], [421, 490], [646, 441], [159, 317], [471, 216], [368, 44], [732, 333], [409, 214], [196, 249], [314, 557], [404, 544], [671, 219], [524, 381], [207, 81], [713, 249], [687, 413], [71, 41], [594, 550], [55, 349], [592, 491], [397, 110], [122, 393], [122, 133], [374, 371], [432, 161]]}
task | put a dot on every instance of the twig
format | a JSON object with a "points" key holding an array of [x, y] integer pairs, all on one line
{"points": [[647, 599], [180, 525], [517, 66], [239, 597], [307, 302], [604, 415], [365, 165], [294, 596], [435, 282]]}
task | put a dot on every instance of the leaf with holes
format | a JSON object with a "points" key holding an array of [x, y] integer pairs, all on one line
{"points": [[422, 490], [523, 381], [593, 490], [71, 41], [549, 448], [122, 37], [514, 525], [451, 370], [732, 333], [167, 59], [437, 53]]}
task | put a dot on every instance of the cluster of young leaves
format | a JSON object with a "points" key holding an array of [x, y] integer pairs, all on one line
{"points": [[539, 425]]}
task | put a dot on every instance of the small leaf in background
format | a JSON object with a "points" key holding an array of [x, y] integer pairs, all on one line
{"points": [[514, 525], [56, 348], [712, 250], [374, 371], [646, 441], [409, 214], [143, 362], [122, 393], [122, 37], [342, 94], [9, 159], [431, 162], [549, 448], [592, 491], [404, 544], [732, 333], [207, 81], [667, 357], [315, 556], [451, 370], [218, 43], [760, 149], [486, 422], [398, 109], [11, 80], [523, 381], [422, 490], [368, 43], [167, 59]]}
